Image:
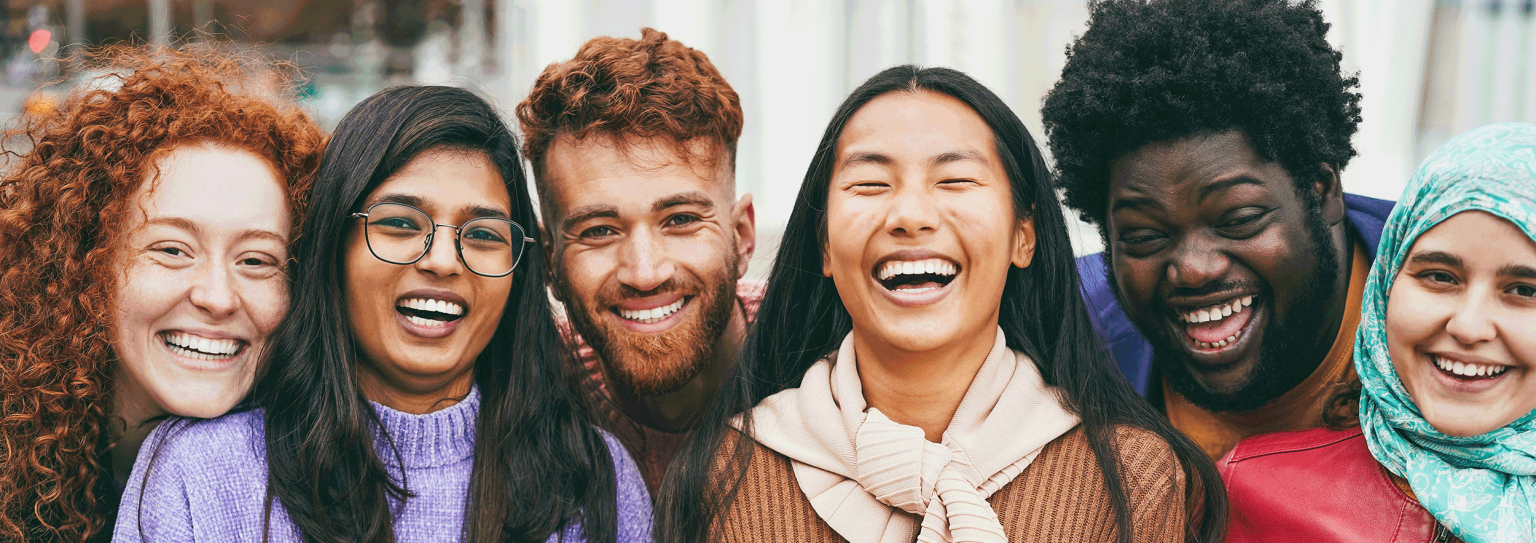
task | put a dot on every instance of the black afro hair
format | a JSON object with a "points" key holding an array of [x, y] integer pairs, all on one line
{"points": [[1148, 71]]}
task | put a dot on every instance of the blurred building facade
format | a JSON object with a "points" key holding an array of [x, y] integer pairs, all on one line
{"points": [[1429, 69]]}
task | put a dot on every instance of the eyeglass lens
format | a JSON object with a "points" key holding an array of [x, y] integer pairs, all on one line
{"points": [[399, 234]]}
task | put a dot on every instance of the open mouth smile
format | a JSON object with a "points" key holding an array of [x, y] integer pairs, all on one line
{"points": [[1217, 326], [916, 276], [1467, 371], [429, 312], [652, 315], [200, 348]]}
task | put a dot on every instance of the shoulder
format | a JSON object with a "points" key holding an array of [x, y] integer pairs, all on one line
{"points": [[1263, 463], [1143, 454], [1065, 481], [1368, 216], [234, 439], [632, 499], [192, 467], [1317, 483]]}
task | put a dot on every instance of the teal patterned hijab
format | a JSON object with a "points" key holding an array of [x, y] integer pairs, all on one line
{"points": [[1483, 488]]}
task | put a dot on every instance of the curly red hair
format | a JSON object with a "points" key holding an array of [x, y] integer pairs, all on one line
{"points": [[622, 88], [63, 200]]}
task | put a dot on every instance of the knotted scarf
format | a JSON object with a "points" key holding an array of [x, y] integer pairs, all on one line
{"points": [[1483, 488], [863, 473]]}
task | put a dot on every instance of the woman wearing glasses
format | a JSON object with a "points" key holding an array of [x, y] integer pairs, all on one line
{"points": [[415, 391]]}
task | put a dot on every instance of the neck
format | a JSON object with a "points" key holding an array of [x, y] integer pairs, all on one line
{"points": [[679, 410], [128, 428], [417, 398], [920, 388]]}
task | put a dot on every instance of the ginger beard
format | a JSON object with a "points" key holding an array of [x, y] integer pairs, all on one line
{"points": [[661, 363]]}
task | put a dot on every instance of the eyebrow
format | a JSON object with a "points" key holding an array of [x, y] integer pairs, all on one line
{"points": [[1138, 201], [397, 198], [189, 226], [1436, 257], [695, 197], [587, 213], [958, 156], [1208, 190], [482, 211], [871, 157], [476, 211], [1517, 270]]}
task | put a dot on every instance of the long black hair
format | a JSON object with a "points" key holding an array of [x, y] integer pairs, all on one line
{"points": [[1043, 315], [538, 465]]}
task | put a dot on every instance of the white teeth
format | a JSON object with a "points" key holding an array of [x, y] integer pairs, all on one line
{"points": [[436, 306], [1216, 312], [428, 323], [1223, 343], [1467, 369], [647, 316], [934, 266], [201, 348]]}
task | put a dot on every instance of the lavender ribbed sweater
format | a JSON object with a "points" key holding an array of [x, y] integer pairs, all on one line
{"points": [[209, 481]]}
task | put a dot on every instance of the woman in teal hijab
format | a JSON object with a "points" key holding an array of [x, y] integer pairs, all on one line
{"points": [[1446, 348], [1446, 355]]}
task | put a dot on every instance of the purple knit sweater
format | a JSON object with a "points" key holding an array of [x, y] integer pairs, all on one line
{"points": [[209, 481]]}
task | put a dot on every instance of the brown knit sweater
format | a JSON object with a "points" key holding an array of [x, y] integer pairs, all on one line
{"points": [[1059, 497]]}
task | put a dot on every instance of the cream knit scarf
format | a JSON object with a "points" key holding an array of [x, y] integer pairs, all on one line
{"points": [[876, 481]]}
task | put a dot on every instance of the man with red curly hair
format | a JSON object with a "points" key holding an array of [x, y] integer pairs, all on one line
{"points": [[633, 145]]}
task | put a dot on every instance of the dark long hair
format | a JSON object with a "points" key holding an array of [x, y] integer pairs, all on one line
{"points": [[1042, 315], [538, 465]]}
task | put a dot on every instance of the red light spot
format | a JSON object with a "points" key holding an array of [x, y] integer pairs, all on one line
{"points": [[39, 40]]}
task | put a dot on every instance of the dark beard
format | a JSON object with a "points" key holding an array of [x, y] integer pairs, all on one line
{"points": [[1282, 357], [658, 364]]}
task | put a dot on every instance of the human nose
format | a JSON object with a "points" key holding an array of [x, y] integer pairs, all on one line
{"points": [[214, 291], [912, 212], [1470, 322], [643, 262], [1196, 264], [442, 256]]}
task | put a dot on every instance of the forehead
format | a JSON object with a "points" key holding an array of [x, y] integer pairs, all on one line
{"points": [[634, 172], [449, 178], [216, 186], [915, 126], [1178, 173]]}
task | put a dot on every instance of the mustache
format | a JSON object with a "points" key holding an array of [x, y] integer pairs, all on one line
{"points": [[1212, 288], [613, 294]]}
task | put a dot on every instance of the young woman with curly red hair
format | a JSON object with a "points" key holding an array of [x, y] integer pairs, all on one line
{"points": [[144, 229]]}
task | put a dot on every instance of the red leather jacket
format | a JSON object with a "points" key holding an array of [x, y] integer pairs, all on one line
{"points": [[1319, 485]]}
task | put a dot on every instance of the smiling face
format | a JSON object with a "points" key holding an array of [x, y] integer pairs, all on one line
{"points": [[1461, 324], [1225, 268], [201, 282], [647, 250], [420, 326], [921, 231]]}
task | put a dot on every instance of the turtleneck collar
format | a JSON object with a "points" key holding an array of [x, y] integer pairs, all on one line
{"points": [[435, 439]]}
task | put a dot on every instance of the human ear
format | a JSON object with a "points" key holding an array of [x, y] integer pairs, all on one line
{"points": [[1024, 243], [1330, 192], [744, 218]]}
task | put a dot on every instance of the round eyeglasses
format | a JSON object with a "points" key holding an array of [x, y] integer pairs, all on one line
{"points": [[401, 234]]}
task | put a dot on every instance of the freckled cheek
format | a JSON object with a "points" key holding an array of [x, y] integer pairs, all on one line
{"points": [[266, 301], [146, 291]]}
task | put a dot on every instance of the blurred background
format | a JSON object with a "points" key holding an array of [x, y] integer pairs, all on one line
{"points": [[1429, 69]]}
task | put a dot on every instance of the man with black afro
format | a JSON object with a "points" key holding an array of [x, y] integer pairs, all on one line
{"points": [[1204, 138]]}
